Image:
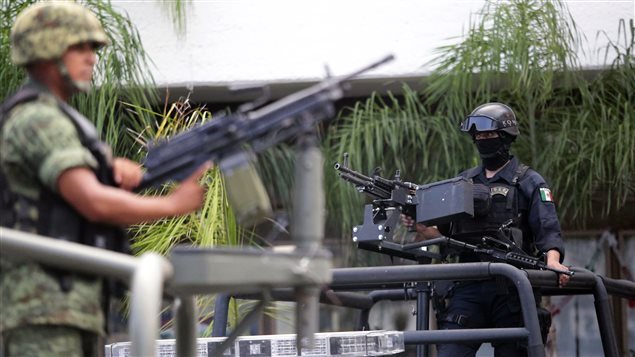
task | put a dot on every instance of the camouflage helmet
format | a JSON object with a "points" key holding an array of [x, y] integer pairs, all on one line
{"points": [[44, 31], [491, 117]]}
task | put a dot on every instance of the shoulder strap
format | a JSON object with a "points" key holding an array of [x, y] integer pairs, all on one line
{"points": [[87, 133], [470, 173], [7, 197], [23, 95], [89, 138], [519, 175]]}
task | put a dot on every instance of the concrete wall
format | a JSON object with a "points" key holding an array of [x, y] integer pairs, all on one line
{"points": [[289, 40]]}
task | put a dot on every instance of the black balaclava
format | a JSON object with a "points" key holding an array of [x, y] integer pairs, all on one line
{"points": [[494, 152]]}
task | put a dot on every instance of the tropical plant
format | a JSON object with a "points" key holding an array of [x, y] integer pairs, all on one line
{"points": [[577, 132], [592, 156], [10, 75], [214, 223], [122, 76], [120, 72], [524, 53]]}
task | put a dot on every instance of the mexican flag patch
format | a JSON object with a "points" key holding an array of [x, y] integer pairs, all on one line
{"points": [[545, 195]]}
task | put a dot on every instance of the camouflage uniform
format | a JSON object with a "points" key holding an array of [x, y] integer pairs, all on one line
{"points": [[54, 340], [38, 142]]}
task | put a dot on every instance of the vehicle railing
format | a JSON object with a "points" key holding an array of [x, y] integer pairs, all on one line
{"points": [[146, 275], [410, 282]]}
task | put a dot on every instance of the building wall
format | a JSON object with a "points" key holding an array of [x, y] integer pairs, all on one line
{"points": [[287, 40]]}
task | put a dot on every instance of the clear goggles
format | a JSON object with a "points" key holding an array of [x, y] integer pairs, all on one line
{"points": [[480, 123]]}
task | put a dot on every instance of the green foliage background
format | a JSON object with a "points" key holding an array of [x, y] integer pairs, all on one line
{"points": [[577, 126]]}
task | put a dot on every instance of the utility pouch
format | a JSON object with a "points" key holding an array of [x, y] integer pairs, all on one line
{"points": [[441, 291]]}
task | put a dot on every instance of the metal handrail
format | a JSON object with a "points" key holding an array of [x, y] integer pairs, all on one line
{"points": [[585, 282], [147, 275], [66, 255], [372, 277], [378, 276]]}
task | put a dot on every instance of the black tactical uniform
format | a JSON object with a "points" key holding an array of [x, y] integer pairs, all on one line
{"points": [[515, 196]]}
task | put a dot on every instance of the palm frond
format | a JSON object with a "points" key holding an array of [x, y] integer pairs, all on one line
{"points": [[576, 131], [214, 224], [11, 76]]}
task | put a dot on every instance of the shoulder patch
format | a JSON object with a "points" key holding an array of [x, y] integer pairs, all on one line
{"points": [[545, 195]]}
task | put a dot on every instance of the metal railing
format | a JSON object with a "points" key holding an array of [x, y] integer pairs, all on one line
{"points": [[389, 284], [146, 275], [150, 274], [189, 272], [380, 277]]}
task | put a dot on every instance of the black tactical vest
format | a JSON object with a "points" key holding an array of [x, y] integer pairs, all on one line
{"points": [[506, 206], [56, 218]]}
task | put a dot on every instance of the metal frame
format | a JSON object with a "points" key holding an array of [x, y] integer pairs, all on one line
{"points": [[184, 276], [391, 281], [465, 271], [150, 272], [376, 277], [147, 275]]}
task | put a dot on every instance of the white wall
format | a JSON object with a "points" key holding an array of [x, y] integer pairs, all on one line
{"points": [[257, 40]]}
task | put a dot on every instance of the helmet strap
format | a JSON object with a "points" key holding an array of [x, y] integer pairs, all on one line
{"points": [[72, 85]]}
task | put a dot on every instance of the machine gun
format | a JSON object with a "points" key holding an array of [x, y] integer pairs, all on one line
{"points": [[382, 216], [444, 201], [385, 193], [223, 139]]}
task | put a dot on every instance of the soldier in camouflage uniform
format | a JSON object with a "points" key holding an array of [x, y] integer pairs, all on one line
{"points": [[64, 184]]}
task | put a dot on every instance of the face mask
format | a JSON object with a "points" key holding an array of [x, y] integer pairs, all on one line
{"points": [[494, 153]]}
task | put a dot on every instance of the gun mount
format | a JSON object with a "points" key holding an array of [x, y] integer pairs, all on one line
{"points": [[444, 201]]}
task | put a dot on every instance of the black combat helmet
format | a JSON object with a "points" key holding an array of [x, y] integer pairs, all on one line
{"points": [[491, 117]]}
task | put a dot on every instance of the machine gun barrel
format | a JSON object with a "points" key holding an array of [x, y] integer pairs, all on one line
{"points": [[225, 137], [329, 89], [376, 186], [364, 183], [442, 240], [351, 173], [367, 187]]}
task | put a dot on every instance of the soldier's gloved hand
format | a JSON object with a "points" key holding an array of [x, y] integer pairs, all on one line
{"points": [[423, 232], [127, 174]]}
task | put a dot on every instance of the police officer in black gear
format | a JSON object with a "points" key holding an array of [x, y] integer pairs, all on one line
{"points": [[507, 193]]}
